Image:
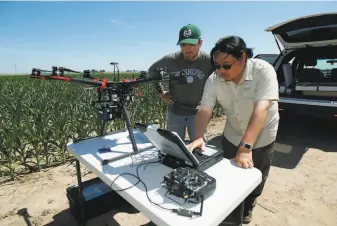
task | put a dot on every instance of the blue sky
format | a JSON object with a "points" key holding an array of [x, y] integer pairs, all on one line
{"points": [[86, 35]]}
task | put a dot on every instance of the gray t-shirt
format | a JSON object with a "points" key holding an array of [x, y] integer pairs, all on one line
{"points": [[186, 93]]}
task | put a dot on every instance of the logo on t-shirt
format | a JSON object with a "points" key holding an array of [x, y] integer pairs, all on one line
{"points": [[192, 74], [189, 79]]}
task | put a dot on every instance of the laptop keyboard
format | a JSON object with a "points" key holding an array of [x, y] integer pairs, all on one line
{"points": [[201, 157]]}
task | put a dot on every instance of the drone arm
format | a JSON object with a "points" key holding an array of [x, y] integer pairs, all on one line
{"points": [[156, 77], [69, 70], [161, 75], [153, 73], [70, 79]]}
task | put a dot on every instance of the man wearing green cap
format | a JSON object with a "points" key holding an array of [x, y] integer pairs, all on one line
{"points": [[183, 97]]}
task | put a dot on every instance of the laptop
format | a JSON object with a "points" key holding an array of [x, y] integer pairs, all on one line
{"points": [[175, 152]]}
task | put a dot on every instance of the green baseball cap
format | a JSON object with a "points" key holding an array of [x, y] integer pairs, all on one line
{"points": [[189, 34]]}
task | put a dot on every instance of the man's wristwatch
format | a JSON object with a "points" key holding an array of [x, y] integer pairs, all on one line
{"points": [[248, 146]]}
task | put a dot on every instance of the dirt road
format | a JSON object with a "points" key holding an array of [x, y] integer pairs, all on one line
{"points": [[301, 189]]}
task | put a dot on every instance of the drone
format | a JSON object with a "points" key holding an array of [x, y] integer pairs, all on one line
{"points": [[113, 96]]}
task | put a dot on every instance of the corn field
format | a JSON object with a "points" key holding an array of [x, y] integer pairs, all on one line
{"points": [[38, 118]]}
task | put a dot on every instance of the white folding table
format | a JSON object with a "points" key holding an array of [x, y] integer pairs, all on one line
{"points": [[233, 184]]}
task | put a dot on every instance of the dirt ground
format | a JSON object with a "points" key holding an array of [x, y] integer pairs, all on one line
{"points": [[301, 189]]}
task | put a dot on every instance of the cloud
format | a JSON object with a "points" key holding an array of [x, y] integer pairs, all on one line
{"points": [[120, 22]]}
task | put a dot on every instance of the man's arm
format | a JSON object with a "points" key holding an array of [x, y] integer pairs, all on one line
{"points": [[256, 121], [266, 93], [203, 116], [206, 108]]}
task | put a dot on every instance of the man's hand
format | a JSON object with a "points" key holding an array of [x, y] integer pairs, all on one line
{"points": [[165, 96], [198, 143], [244, 158]]}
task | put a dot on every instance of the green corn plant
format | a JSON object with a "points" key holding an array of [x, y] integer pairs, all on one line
{"points": [[38, 119]]}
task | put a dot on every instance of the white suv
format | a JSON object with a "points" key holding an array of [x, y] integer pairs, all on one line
{"points": [[307, 65]]}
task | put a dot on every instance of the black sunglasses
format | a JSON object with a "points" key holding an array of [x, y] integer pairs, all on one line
{"points": [[224, 66]]}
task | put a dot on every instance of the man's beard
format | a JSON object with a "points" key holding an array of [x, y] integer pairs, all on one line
{"points": [[191, 57]]}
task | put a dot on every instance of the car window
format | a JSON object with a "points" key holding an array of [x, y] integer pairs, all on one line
{"points": [[270, 58], [325, 66]]}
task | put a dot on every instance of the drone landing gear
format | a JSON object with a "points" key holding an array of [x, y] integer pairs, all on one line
{"points": [[132, 138], [111, 115]]}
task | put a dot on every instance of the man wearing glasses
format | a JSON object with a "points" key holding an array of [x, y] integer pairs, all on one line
{"points": [[183, 96], [248, 91]]}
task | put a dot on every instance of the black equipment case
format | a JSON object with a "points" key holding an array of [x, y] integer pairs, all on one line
{"points": [[99, 198]]}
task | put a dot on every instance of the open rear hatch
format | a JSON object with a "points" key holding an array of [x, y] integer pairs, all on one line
{"points": [[313, 30]]}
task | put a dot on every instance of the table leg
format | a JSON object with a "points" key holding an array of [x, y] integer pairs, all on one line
{"points": [[81, 198], [235, 218], [242, 206]]}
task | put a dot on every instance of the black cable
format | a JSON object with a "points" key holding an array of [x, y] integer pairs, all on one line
{"points": [[181, 212], [146, 191], [139, 180]]}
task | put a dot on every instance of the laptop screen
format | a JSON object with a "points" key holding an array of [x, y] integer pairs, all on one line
{"points": [[169, 143]]}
